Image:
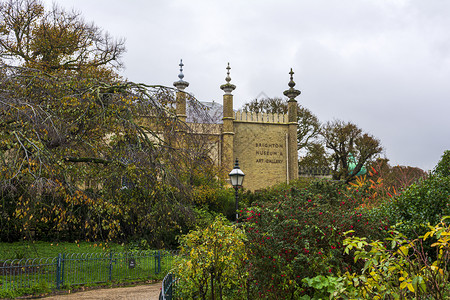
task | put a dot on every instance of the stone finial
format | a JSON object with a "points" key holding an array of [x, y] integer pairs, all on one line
{"points": [[181, 75], [291, 93], [228, 78], [181, 84], [291, 83], [228, 87]]}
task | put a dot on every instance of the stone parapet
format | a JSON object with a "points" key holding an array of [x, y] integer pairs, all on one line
{"points": [[242, 116]]}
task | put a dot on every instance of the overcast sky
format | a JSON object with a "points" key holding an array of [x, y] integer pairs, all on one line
{"points": [[382, 64]]}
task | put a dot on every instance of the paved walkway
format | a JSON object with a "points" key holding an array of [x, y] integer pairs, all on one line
{"points": [[140, 292]]}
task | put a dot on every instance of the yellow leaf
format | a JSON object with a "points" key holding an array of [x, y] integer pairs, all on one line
{"points": [[403, 250], [403, 285], [427, 235]]}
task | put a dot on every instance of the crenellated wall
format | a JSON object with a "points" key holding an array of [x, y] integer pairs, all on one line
{"points": [[242, 116]]}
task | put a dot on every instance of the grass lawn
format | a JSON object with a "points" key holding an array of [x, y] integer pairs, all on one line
{"points": [[98, 266], [20, 250]]}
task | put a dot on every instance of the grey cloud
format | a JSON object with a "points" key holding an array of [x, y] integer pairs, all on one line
{"points": [[384, 65]]}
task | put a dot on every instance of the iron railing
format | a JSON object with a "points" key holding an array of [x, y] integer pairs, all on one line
{"points": [[67, 270], [314, 171], [169, 287]]}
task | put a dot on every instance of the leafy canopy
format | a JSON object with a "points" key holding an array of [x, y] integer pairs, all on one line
{"points": [[345, 139], [53, 40], [84, 154]]}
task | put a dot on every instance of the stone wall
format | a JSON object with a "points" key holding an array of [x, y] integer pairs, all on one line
{"points": [[262, 153]]}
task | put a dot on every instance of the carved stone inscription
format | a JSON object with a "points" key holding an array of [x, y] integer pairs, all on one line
{"points": [[269, 153]]}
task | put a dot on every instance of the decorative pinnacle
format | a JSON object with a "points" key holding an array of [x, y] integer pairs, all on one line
{"points": [[291, 83], [181, 84], [228, 78], [181, 75], [291, 93], [228, 87]]}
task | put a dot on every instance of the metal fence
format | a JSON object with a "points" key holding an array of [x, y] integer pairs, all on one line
{"points": [[169, 288], [67, 270], [314, 171]]}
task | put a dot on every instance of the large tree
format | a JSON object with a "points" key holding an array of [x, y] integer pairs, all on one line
{"points": [[92, 158], [315, 159], [346, 140], [53, 40], [82, 153]]}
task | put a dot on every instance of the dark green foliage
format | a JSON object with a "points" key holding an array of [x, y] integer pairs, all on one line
{"points": [[8, 223], [273, 192], [298, 232], [422, 203], [316, 156], [443, 166], [330, 191], [426, 201]]}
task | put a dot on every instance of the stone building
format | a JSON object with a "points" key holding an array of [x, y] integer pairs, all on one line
{"points": [[264, 144]]}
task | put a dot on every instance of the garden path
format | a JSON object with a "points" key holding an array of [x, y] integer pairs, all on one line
{"points": [[140, 292]]}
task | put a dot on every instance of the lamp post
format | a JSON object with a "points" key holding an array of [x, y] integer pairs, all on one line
{"points": [[236, 178]]}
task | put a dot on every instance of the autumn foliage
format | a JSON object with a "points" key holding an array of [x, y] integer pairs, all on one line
{"points": [[85, 154], [84, 158], [300, 234], [212, 262]]}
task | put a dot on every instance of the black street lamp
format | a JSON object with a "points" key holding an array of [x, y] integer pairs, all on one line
{"points": [[236, 178]]}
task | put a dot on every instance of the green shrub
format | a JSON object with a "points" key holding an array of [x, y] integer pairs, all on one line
{"points": [[323, 286], [399, 268], [299, 233], [443, 167], [423, 203], [212, 262], [272, 193]]}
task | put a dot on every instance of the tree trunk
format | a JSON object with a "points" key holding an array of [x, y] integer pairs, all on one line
{"points": [[212, 286]]}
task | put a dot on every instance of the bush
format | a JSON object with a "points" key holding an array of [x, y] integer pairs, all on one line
{"points": [[400, 267], [425, 202], [299, 234], [443, 167], [213, 257], [272, 193]]}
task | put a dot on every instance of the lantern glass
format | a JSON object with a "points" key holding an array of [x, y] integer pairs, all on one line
{"points": [[236, 176]]}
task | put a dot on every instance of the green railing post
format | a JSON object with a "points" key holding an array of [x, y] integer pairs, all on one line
{"points": [[58, 272], [170, 291], [110, 265], [62, 268], [159, 262]]}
